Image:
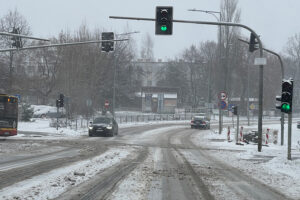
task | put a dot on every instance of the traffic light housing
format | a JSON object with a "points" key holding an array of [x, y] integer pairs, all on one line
{"points": [[164, 20], [235, 110], [17, 41], [108, 45], [61, 100], [253, 43], [287, 96]]}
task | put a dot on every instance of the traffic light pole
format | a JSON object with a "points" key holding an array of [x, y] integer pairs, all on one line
{"points": [[114, 86], [282, 77], [23, 36], [237, 127], [289, 136], [61, 45], [261, 67]]}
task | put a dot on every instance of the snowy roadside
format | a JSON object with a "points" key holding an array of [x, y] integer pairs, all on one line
{"points": [[270, 166], [42, 126], [52, 184]]}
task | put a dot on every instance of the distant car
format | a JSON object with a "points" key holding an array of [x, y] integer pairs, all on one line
{"points": [[298, 124], [103, 126], [200, 122]]}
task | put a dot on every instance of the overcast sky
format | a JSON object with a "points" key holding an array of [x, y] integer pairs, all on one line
{"points": [[274, 20]]}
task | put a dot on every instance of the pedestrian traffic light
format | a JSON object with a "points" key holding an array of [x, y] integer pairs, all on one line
{"points": [[235, 110], [107, 46], [164, 20], [287, 96], [17, 42], [61, 100], [253, 43]]}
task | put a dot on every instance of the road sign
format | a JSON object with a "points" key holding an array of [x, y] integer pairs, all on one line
{"points": [[252, 106], [106, 104], [223, 96], [230, 107], [260, 61], [223, 105]]}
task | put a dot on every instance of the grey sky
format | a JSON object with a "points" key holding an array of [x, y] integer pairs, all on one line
{"points": [[274, 20]]}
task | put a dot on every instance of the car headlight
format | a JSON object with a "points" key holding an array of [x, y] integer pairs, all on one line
{"points": [[109, 127], [90, 127]]}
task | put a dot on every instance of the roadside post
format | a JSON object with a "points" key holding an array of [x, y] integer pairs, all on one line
{"points": [[222, 106]]}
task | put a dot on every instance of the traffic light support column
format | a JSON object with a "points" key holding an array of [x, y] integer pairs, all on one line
{"points": [[237, 127], [289, 136]]}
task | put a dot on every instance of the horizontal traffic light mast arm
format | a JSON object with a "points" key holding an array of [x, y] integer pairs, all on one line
{"points": [[271, 52], [23, 36], [61, 45], [195, 22]]}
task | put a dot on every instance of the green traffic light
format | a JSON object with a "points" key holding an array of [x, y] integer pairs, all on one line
{"points": [[286, 107], [163, 28]]}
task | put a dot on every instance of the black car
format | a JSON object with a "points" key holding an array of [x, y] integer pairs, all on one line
{"points": [[200, 122], [103, 126]]}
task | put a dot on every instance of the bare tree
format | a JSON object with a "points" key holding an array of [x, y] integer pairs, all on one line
{"points": [[147, 48], [13, 19], [230, 13]]}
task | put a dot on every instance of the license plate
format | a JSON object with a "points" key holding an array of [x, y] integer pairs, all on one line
{"points": [[6, 133]]}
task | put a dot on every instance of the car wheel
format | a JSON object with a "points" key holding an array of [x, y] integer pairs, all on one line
{"points": [[90, 134]]}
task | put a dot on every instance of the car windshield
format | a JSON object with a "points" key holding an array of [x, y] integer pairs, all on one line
{"points": [[102, 120]]}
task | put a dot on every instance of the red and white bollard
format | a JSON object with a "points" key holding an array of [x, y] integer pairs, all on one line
{"points": [[241, 134], [267, 136], [228, 134]]}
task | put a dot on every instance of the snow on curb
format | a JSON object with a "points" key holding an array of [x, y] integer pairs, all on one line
{"points": [[52, 184]]}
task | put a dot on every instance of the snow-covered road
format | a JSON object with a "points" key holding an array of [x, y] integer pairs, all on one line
{"points": [[145, 162]]}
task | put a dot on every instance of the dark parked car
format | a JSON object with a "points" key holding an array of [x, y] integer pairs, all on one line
{"points": [[103, 126], [200, 122]]}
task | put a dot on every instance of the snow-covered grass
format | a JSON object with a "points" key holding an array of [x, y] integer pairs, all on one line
{"points": [[269, 166], [43, 126], [52, 184]]}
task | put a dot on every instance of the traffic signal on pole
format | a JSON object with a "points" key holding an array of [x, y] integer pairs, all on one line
{"points": [[108, 45], [235, 110], [17, 41], [287, 96], [164, 20], [57, 103], [253, 43], [61, 100]]}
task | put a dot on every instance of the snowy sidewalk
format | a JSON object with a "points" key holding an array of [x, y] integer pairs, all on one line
{"points": [[270, 166]]}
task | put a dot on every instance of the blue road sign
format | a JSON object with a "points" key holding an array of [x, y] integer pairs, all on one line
{"points": [[223, 105], [230, 107]]}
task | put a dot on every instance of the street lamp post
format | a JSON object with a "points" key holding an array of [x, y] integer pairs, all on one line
{"points": [[213, 13]]}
